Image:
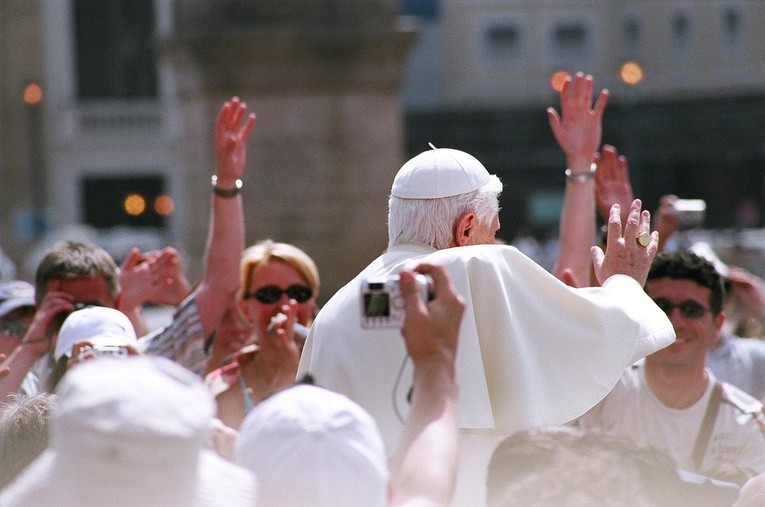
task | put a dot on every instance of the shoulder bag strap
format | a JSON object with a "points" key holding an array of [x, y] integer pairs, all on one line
{"points": [[702, 439]]}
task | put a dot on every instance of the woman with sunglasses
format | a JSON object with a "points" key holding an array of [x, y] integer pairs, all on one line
{"points": [[277, 298]]}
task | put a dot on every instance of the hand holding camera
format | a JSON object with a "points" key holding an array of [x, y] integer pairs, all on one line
{"points": [[50, 314], [431, 325], [382, 303]]}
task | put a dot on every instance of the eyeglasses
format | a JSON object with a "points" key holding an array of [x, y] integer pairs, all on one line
{"points": [[688, 308], [270, 294], [13, 327]]}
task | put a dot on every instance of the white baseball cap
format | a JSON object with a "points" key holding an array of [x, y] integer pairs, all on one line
{"points": [[439, 172], [14, 295], [94, 324]]}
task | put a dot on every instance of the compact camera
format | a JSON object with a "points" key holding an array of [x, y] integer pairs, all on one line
{"points": [[690, 213], [103, 350], [382, 305]]}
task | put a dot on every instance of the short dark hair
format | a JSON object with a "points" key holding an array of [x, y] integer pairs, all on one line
{"points": [[76, 259], [686, 265]]}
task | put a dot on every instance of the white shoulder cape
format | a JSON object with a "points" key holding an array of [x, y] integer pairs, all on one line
{"points": [[532, 351]]}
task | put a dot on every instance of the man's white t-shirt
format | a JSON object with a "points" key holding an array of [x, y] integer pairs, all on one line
{"points": [[631, 409]]}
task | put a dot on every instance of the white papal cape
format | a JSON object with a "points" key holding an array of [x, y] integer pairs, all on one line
{"points": [[532, 351]]}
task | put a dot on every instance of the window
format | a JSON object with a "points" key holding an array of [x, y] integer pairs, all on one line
{"points": [[632, 35], [503, 43], [571, 40], [681, 32], [426, 9], [113, 42], [137, 201], [731, 27]]}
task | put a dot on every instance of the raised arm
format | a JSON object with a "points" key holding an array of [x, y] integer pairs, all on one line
{"points": [[747, 290], [578, 132], [225, 240], [665, 219], [424, 466], [36, 342]]}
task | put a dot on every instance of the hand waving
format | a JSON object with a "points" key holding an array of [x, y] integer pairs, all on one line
{"points": [[232, 129]]}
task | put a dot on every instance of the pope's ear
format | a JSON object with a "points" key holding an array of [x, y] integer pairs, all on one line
{"points": [[463, 228]]}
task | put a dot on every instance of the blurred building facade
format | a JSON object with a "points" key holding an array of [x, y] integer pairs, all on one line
{"points": [[120, 139], [687, 106]]}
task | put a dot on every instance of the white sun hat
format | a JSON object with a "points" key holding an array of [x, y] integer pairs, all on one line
{"points": [[131, 432], [309, 446], [439, 172]]}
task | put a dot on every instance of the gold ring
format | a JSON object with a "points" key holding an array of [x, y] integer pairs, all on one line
{"points": [[643, 239]]}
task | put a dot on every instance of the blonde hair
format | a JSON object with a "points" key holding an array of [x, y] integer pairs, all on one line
{"points": [[266, 250]]}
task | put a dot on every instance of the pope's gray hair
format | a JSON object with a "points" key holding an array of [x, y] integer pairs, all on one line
{"points": [[431, 221]]}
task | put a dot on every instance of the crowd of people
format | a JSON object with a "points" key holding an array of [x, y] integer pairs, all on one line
{"points": [[453, 370]]}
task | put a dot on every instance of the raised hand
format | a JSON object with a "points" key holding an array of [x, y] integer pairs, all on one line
{"points": [[625, 254], [232, 128], [666, 219], [612, 183], [172, 287], [152, 277], [50, 314], [578, 128], [746, 288]]}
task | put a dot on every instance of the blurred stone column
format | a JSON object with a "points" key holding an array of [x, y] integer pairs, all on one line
{"points": [[323, 78]]}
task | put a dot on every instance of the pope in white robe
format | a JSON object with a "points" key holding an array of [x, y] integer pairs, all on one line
{"points": [[532, 351]]}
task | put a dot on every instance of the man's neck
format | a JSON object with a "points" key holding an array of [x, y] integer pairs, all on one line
{"points": [[678, 387]]}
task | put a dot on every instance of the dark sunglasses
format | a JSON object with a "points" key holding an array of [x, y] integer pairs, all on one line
{"points": [[688, 308], [13, 327], [270, 294], [80, 305]]}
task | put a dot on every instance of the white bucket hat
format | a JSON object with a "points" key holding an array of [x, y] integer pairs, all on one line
{"points": [[309, 446], [94, 324], [131, 432], [440, 172]]}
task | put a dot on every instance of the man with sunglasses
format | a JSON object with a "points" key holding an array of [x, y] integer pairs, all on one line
{"points": [[670, 400]]}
